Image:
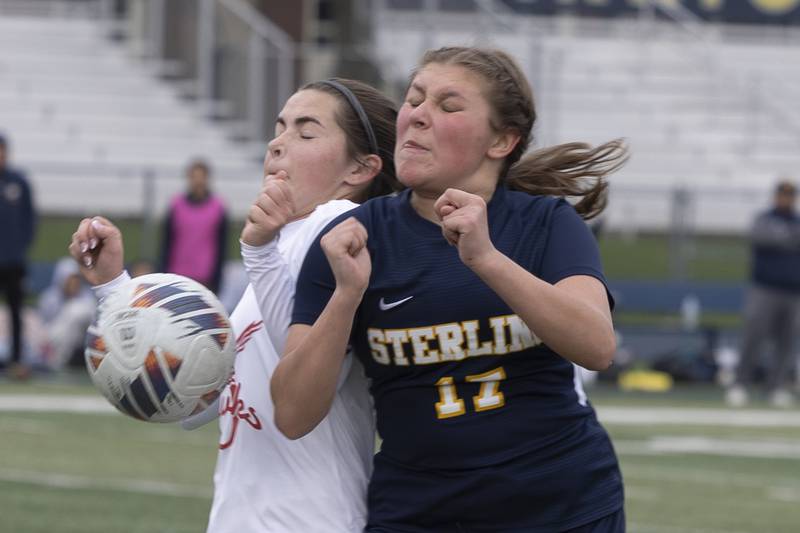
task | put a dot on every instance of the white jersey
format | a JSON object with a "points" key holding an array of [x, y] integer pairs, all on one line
{"points": [[263, 481]]}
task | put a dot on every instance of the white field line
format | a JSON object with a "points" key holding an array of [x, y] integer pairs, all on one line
{"points": [[148, 433], [65, 481], [702, 476], [658, 416], [635, 527], [639, 493], [697, 444], [27, 427], [55, 403], [784, 494], [609, 415]]}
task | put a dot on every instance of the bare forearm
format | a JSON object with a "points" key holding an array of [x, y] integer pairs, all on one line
{"points": [[572, 327], [304, 383]]}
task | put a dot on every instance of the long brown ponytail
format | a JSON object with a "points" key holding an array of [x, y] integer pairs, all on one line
{"points": [[574, 170]]}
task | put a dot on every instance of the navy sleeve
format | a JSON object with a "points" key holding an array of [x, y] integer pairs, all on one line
{"points": [[571, 249], [315, 283]]}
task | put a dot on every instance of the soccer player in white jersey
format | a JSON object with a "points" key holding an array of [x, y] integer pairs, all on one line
{"points": [[333, 147]]}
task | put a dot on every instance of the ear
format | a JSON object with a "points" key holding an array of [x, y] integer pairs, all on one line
{"points": [[503, 144], [363, 172]]}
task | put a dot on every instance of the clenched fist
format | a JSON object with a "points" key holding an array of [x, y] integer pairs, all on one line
{"points": [[464, 225], [345, 246], [271, 211], [97, 247]]}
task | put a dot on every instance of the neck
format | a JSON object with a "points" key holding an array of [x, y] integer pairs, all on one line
{"points": [[198, 197], [423, 205]]}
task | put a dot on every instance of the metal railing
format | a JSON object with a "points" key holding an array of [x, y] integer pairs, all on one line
{"points": [[235, 63]]}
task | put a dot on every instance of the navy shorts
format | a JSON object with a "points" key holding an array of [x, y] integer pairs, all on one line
{"points": [[613, 523], [521, 499]]}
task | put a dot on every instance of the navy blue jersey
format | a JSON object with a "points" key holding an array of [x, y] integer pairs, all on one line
{"points": [[462, 387]]}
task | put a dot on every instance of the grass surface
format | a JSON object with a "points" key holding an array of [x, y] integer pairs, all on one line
{"points": [[650, 257], [646, 257], [100, 473], [87, 473], [54, 234]]}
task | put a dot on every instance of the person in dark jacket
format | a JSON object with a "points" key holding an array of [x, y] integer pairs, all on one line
{"points": [[17, 225], [772, 304]]}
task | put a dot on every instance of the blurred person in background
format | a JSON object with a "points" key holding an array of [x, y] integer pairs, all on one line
{"points": [[195, 230], [772, 302], [66, 308], [17, 225]]}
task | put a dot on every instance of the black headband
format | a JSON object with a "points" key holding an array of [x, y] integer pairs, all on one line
{"points": [[362, 115]]}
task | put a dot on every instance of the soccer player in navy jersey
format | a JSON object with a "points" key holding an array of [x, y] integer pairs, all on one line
{"points": [[470, 298]]}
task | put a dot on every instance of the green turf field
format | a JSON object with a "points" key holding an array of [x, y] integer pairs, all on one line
{"points": [[55, 232], [716, 258], [647, 257], [70, 472], [85, 473]]}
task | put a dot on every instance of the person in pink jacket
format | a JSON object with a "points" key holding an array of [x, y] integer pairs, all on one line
{"points": [[195, 230]]}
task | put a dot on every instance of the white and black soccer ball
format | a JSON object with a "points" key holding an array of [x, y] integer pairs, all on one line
{"points": [[161, 348]]}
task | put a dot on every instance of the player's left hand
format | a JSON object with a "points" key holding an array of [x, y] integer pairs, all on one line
{"points": [[464, 225]]}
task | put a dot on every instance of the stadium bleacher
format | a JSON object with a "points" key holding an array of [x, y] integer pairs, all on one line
{"points": [[90, 121], [709, 110]]}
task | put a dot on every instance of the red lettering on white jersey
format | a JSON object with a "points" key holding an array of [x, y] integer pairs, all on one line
{"points": [[246, 333], [233, 405]]}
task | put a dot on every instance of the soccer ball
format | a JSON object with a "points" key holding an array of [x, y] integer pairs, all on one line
{"points": [[161, 348]]}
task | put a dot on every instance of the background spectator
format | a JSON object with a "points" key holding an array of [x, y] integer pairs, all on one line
{"points": [[66, 307], [773, 299], [17, 225], [195, 230]]}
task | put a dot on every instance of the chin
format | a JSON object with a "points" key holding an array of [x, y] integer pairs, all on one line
{"points": [[412, 176], [413, 181]]}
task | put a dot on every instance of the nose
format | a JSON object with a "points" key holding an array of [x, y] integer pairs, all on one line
{"points": [[275, 147], [419, 117]]}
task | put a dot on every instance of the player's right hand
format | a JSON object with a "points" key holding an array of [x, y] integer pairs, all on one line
{"points": [[345, 246], [97, 247], [271, 211]]}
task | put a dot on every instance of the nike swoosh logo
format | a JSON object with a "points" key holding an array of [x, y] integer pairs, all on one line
{"points": [[386, 306]]}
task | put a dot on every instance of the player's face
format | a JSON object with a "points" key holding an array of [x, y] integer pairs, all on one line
{"points": [[443, 130], [311, 148]]}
